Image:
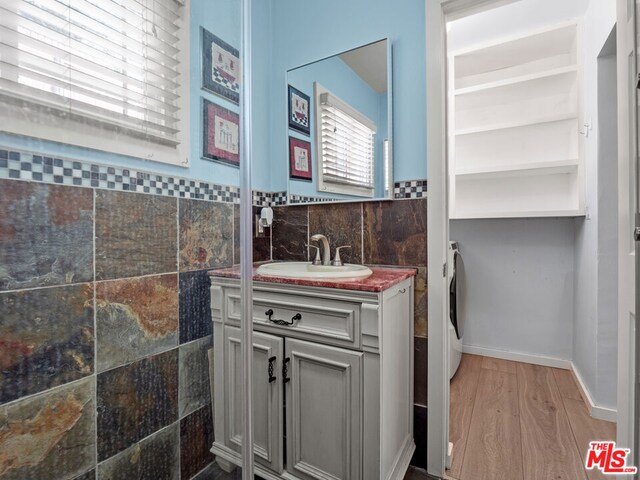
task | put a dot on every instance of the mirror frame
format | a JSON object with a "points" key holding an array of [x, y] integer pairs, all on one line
{"points": [[388, 194]]}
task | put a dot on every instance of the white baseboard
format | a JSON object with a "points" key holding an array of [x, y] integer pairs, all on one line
{"points": [[603, 413], [597, 412], [518, 357]]}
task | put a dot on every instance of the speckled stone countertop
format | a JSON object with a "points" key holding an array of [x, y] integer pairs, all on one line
{"points": [[381, 279]]}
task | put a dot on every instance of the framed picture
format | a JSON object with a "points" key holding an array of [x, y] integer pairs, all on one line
{"points": [[221, 134], [299, 159], [299, 107], [220, 67]]}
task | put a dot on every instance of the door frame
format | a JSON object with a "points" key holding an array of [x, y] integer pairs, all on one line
{"points": [[438, 225], [436, 12], [628, 362], [438, 228]]}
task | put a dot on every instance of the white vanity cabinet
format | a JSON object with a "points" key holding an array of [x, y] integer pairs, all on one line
{"points": [[333, 391]]}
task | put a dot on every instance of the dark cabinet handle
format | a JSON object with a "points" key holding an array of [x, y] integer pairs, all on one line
{"points": [[285, 370], [284, 323], [272, 378]]}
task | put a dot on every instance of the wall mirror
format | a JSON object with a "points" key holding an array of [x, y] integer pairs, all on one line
{"points": [[339, 127]]}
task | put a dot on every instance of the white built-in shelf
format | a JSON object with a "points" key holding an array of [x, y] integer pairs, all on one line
{"points": [[523, 79], [515, 56], [514, 109], [517, 123], [520, 214], [524, 170]]}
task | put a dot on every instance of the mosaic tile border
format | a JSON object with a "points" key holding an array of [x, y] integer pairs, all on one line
{"points": [[401, 190], [20, 165], [261, 199], [269, 199], [279, 198], [295, 199], [410, 189], [62, 171], [29, 166]]}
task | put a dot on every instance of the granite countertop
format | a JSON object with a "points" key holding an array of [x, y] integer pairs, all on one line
{"points": [[381, 279]]}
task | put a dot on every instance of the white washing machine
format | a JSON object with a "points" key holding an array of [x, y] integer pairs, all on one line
{"points": [[455, 311]]}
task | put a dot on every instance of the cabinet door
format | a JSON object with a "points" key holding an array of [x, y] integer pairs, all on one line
{"points": [[323, 411], [267, 396]]}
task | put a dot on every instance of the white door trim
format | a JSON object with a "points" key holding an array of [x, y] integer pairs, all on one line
{"points": [[437, 237], [627, 152], [437, 224], [438, 221]]}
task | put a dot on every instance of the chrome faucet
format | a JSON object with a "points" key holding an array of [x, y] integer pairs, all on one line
{"points": [[326, 252], [337, 261], [316, 259]]}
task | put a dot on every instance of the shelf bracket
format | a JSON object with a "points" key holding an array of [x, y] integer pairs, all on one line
{"points": [[586, 128]]}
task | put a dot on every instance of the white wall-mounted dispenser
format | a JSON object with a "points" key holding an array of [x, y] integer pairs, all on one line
{"points": [[264, 220]]}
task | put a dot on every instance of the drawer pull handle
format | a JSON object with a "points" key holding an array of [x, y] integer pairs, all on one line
{"points": [[272, 378], [284, 323], [285, 370]]}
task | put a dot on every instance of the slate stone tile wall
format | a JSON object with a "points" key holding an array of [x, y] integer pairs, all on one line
{"points": [[389, 233], [55, 245], [105, 320], [50, 435], [135, 234], [103, 340]]}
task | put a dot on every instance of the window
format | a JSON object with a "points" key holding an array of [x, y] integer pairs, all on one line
{"points": [[345, 140], [103, 74]]}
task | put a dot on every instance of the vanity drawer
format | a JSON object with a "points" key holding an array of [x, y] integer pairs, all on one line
{"points": [[334, 322]]}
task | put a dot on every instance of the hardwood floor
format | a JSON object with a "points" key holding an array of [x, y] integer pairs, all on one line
{"points": [[462, 395], [494, 435], [517, 421]]}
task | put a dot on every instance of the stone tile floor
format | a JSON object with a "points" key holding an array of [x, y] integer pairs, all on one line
{"points": [[213, 472], [416, 474]]}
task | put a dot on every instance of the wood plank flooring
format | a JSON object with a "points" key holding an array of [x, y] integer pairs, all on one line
{"points": [[462, 395], [517, 421], [494, 436]]}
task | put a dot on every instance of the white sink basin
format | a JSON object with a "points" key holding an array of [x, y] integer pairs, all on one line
{"points": [[306, 270]]}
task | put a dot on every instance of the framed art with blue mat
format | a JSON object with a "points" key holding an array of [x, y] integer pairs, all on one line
{"points": [[220, 67], [299, 110]]}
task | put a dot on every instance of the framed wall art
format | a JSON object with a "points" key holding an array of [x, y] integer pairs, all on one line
{"points": [[299, 159], [299, 110], [221, 134], [220, 67]]}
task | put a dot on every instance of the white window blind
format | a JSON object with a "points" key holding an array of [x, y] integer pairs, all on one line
{"points": [[346, 146], [111, 63]]}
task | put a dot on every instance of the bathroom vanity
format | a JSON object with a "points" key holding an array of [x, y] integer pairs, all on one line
{"points": [[333, 375]]}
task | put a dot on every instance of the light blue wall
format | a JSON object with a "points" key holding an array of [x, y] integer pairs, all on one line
{"points": [[607, 335], [337, 77], [517, 284], [287, 34], [305, 30], [261, 168], [595, 329], [221, 17]]}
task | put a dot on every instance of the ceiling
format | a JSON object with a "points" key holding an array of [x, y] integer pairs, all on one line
{"points": [[370, 63]]}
